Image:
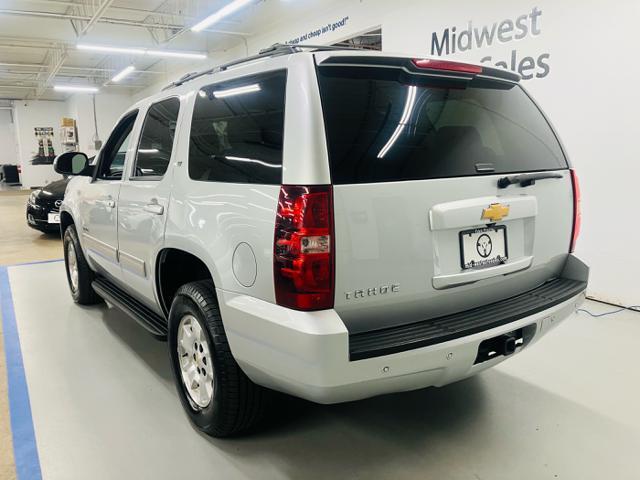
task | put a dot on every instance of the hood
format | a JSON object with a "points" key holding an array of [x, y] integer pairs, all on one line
{"points": [[54, 190]]}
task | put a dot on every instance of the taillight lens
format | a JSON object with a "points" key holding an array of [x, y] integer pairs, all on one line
{"points": [[577, 212], [434, 64], [303, 247]]}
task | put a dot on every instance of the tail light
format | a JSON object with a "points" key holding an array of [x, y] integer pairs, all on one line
{"points": [[303, 258], [450, 66], [577, 213]]}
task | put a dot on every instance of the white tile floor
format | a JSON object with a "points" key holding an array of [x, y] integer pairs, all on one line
{"points": [[104, 406]]}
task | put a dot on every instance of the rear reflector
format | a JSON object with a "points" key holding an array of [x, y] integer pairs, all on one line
{"points": [[577, 212], [434, 64], [303, 248]]}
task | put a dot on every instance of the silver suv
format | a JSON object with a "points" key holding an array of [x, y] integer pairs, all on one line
{"points": [[332, 224]]}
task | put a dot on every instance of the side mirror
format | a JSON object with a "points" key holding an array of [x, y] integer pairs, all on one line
{"points": [[72, 163]]}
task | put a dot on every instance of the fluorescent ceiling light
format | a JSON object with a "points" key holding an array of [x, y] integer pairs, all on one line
{"points": [[123, 73], [75, 88], [104, 48], [142, 51], [237, 91], [220, 14], [406, 114], [148, 150], [169, 53]]}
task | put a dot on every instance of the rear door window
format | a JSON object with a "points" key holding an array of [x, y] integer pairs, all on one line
{"points": [[383, 127], [237, 130], [156, 139]]}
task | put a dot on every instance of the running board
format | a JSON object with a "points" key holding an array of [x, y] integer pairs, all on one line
{"points": [[150, 320]]}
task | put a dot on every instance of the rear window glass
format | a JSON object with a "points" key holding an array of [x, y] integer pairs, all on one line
{"points": [[382, 126], [237, 130]]}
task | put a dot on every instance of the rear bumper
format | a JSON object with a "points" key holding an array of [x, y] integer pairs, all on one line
{"points": [[307, 354]]}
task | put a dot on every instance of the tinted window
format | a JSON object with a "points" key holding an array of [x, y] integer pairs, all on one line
{"points": [[113, 154], [384, 127], [156, 139], [237, 131]]}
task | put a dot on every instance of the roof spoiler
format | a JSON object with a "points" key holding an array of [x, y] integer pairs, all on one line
{"points": [[425, 66]]}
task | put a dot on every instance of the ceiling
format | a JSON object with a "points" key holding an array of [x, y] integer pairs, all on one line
{"points": [[38, 40]]}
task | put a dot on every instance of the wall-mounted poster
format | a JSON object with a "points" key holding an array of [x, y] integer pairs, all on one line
{"points": [[46, 154]]}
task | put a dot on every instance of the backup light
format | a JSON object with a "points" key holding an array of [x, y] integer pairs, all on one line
{"points": [[303, 258], [220, 14], [434, 64]]}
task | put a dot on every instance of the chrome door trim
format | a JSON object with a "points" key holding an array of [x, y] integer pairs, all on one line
{"points": [[133, 264], [100, 248]]}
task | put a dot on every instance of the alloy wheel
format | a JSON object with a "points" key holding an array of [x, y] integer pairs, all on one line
{"points": [[194, 357]]}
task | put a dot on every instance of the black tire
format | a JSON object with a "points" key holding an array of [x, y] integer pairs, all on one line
{"points": [[83, 293], [237, 404]]}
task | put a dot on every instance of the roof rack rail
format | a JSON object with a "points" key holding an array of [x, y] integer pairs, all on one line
{"points": [[274, 50]]}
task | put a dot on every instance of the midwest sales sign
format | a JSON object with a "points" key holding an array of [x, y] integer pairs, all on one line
{"points": [[453, 40]]}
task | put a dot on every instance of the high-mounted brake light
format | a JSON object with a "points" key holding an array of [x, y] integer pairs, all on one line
{"points": [[577, 212], [303, 258], [434, 64]]}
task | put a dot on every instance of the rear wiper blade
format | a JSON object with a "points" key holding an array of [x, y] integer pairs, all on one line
{"points": [[526, 179]]}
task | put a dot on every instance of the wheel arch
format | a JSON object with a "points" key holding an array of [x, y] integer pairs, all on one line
{"points": [[65, 220], [176, 267]]}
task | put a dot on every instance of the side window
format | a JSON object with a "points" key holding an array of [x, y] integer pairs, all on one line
{"points": [[112, 156], [237, 130], [156, 139]]}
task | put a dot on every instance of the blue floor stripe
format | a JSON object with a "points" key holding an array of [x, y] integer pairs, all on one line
{"points": [[25, 449], [37, 262]]}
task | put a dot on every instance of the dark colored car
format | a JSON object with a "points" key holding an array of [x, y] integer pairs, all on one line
{"points": [[43, 207]]}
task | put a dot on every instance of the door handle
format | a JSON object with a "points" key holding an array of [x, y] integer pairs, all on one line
{"points": [[154, 207]]}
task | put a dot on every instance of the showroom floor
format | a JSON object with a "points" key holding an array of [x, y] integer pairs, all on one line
{"points": [[101, 404], [18, 242]]}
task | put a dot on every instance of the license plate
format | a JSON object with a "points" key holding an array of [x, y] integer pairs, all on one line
{"points": [[483, 247], [54, 218]]}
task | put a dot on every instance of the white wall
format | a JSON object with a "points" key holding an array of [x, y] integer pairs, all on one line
{"points": [[583, 55], [31, 114], [8, 139], [28, 115], [109, 108]]}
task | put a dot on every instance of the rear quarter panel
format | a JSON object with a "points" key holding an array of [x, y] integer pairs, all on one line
{"points": [[212, 219]]}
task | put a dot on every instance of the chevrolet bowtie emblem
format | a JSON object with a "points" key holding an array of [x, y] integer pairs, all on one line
{"points": [[495, 212]]}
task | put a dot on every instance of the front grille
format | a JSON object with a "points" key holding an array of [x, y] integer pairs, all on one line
{"points": [[449, 327], [49, 204]]}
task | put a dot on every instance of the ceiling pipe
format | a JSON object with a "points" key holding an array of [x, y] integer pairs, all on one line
{"points": [[96, 17], [66, 67], [113, 21], [138, 11]]}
